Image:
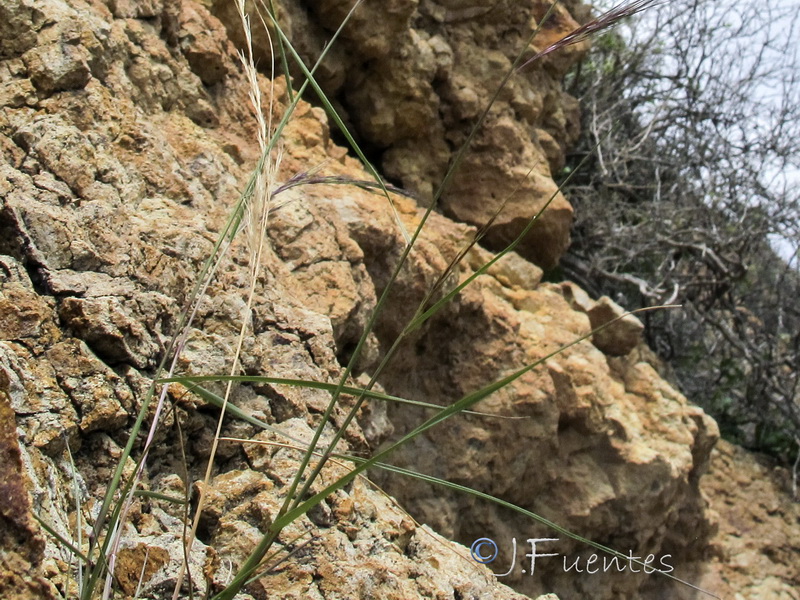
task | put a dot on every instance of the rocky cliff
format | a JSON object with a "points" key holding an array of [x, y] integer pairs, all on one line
{"points": [[127, 135]]}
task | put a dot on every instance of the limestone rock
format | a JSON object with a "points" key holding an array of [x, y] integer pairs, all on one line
{"points": [[752, 553], [417, 80], [621, 332], [126, 138], [23, 313], [617, 439], [205, 48], [343, 547], [21, 544]]}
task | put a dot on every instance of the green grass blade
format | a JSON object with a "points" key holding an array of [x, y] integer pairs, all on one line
{"points": [[160, 496], [282, 51], [227, 234], [518, 509], [190, 382], [426, 314], [331, 111], [284, 519], [61, 539], [329, 410], [454, 165], [295, 506]]}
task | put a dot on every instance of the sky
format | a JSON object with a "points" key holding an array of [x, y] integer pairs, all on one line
{"points": [[741, 59]]}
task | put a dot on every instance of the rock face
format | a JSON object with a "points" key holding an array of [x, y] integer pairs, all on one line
{"points": [[596, 444], [127, 137], [758, 520], [413, 77]]}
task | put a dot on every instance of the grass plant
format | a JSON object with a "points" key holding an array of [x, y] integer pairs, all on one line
{"points": [[249, 219]]}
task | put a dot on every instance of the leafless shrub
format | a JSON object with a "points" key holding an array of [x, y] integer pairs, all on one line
{"points": [[693, 198]]}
